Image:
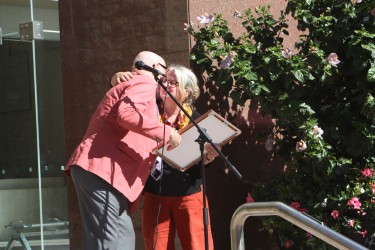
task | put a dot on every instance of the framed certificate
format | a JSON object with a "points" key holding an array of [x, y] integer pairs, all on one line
{"points": [[187, 153]]}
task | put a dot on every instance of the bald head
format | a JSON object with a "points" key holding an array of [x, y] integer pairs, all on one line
{"points": [[149, 58]]}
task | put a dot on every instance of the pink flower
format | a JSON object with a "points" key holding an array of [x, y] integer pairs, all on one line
{"points": [[356, 1], [373, 188], [367, 172], [206, 18], [288, 244], [355, 203], [296, 205], [335, 214], [351, 223], [373, 12], [301, 146], [228, 60], [317, 131], [309, 235], [287, 53], [363, 233], [333, 59], [302, 210], [249, 198]]}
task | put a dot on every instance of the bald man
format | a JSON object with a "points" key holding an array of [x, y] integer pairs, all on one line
{"points": [[110, 166]]}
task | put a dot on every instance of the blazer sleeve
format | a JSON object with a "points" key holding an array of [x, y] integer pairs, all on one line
{"points": [[137, 110]]}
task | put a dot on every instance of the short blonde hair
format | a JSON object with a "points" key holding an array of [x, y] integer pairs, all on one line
{"points": [[187, 82]]}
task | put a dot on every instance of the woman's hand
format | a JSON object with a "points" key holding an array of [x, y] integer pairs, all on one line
{"points": [[174, 140]]}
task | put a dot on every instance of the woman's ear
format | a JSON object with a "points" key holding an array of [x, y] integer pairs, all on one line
{"points": [[187, 94]]}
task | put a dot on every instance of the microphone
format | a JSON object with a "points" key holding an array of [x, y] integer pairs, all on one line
{"points": [[141, 65]]}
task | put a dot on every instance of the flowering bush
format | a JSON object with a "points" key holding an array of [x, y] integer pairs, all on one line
{"points": [[321, 95]]}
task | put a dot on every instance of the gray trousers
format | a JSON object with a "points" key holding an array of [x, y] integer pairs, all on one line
{"points": [[104, 212]]}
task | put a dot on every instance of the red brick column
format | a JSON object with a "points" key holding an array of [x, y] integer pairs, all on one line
{"points": [[99, 38]]}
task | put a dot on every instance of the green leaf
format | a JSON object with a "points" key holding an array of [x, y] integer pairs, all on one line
{"points": [[370, 47], [368, 108], [267, 59], [298, 75], [304, 108], [274, 73], [251, 76], [371, 74]]}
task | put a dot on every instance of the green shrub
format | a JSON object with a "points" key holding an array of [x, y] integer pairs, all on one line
{"points": [[320, 93]]}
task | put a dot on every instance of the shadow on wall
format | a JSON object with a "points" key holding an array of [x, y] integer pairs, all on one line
{"points": [[248, 154]]}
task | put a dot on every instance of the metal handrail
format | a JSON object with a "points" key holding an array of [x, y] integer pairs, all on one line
{"points": [[290, 214]]}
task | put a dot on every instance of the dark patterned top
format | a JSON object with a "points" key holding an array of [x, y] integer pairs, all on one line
{"points": [[174, 182]]}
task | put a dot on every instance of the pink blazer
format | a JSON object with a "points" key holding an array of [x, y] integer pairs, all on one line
{"points": [[121, 135]]}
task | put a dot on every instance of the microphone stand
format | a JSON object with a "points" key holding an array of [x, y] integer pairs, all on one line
{"points": [[202, 139]]}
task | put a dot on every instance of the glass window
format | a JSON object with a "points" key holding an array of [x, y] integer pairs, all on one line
{"points": [[33, 193]]}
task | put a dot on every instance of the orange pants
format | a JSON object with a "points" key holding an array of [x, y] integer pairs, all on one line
{"points": [[182, 214]]}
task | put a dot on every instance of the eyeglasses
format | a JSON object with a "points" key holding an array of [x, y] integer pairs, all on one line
{"points": [[169, 82], [161, 65]]}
